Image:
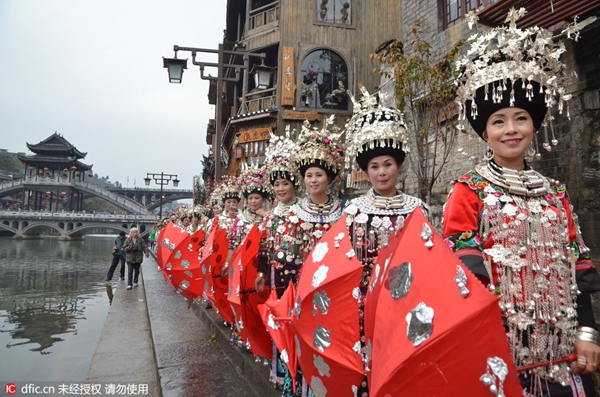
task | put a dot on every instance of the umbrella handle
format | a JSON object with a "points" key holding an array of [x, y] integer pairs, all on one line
{"points": [[569, 358]]}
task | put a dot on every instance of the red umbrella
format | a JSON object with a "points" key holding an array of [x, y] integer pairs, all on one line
{"points": [[183, 269], [325, 317], [214, 255], [244, 299], [274, 312], [431, 328], [168, 238]]}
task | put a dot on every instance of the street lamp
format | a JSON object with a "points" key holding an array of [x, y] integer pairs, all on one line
{"points": [[161, 179], [175, 67]]}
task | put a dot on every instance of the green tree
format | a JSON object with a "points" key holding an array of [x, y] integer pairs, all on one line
{"points": [[200, 191], [424, 92], [10, 163]]}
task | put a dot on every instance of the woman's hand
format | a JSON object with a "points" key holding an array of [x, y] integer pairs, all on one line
{"points": [[588, 357], [224, 270], [261, 212], [259, 284]]}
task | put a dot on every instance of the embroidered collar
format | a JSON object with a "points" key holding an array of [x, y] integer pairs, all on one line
{"points": [[372, 203], [282, 210], [308, 211], [528, 182], [250, 217]]}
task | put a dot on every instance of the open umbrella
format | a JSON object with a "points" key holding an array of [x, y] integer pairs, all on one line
{"points": [[325, 317], [244, 299], [431, 327], [183, 269], [214, 254], [168, 238], [272, 311]]}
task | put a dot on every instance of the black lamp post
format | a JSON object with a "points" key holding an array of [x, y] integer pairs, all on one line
{"points": [[175, 67], [161, 179]]}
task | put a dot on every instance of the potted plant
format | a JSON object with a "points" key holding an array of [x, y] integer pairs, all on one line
{"points": [[324, 9], [344, 12], [340, 92]]}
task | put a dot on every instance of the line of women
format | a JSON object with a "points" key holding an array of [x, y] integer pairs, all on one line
{"points": [[512, 227]]}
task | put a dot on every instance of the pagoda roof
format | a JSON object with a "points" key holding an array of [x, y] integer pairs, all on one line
{"points": [[54, 162], [56, 143]]}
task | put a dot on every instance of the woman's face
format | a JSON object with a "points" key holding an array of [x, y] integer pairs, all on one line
{"points": [[255, 201], [509, 132], [284, 190], [230, 203], [185, 221], [216, 209], [383, 173], [316, 180]]}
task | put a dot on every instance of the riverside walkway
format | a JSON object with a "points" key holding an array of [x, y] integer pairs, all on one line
{"points": [[153, 345]]}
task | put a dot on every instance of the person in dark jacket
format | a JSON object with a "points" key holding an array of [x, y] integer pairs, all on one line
{"points": [[135, 248], [118, 255]]}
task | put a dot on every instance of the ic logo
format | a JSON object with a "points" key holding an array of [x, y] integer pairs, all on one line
{"points": [[10, 388]]}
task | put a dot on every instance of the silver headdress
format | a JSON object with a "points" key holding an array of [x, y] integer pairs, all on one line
{"points": [[508, 66], [278, 157], [374, 130]]}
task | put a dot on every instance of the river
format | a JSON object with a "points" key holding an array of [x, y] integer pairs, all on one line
{"points": [[53, 305]]}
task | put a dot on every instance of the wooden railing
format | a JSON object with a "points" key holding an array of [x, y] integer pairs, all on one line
{"points": [[258, 100], [264, 15]]}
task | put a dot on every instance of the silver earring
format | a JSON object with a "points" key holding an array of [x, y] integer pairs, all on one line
{"points": [[328, 190], [489, 154]]}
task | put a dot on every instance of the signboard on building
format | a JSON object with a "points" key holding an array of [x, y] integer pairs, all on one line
{"points": [[294, 115], [289, 87]]}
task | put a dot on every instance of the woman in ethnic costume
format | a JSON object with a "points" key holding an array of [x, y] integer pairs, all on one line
{"points": [[513, 227], [256, 190], [376, 140], [285, 184], [319, 160]]}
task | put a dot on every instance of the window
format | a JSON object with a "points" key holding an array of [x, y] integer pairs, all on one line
{"points": [[455, 10], [334, 11], [324, 81]]}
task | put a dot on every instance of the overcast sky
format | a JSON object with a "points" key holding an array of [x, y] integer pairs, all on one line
{"points": [[92, 71]]}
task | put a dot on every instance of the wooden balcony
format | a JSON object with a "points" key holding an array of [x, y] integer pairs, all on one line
{"points": [[258, 100], [263, 18]]}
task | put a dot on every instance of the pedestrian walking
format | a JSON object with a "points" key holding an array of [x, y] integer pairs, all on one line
{"points": [[135, 248], [118, 256]]}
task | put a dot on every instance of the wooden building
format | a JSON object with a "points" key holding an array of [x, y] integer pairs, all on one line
{"points": [[315, 52], [51, 173]]}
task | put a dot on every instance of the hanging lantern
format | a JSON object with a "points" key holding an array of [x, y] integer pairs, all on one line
{"points": [[30, 168], [40, 172], [90, 175], [73, 168], [48, 194], [45, 168], [76, 195]]}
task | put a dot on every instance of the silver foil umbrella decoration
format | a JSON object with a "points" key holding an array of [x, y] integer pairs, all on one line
{"points": [[177, 254], [321, 365], [320, 301], [317, 386], [426, 235], [419, 324], [185, 263], [461, 281], [495, 375], [319, 276], [321, 338], [399, 280]]}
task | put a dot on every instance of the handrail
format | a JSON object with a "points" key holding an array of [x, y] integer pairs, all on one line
{"points": [[265, 7], [76, 216]]}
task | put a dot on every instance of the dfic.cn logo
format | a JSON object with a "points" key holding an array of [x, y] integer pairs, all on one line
{"points": [[10, 388]]}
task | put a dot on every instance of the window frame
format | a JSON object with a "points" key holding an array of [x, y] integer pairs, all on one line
{"points": [[300, 104]]}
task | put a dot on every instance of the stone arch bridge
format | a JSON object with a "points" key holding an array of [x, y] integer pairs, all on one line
{"points": [[70, 225], [131, 200]]}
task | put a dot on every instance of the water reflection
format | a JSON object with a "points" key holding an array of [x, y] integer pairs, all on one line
{"points": [[53, 302]]}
